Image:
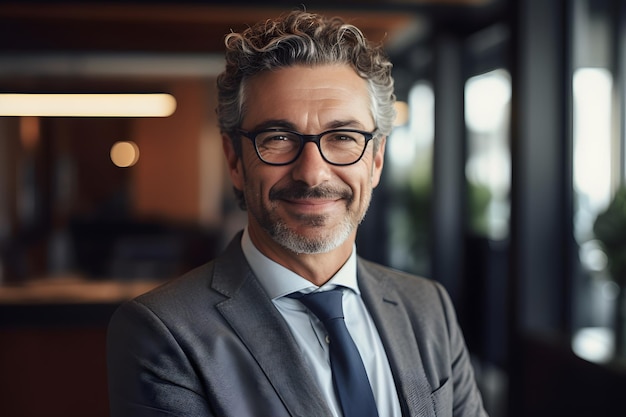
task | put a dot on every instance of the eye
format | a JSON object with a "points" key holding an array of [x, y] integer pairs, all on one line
{"points": [[343, 137], [278, 137], [277, 140], [275, 137]]}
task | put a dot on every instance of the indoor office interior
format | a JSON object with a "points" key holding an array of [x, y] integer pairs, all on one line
{"points": [[504, 180]]}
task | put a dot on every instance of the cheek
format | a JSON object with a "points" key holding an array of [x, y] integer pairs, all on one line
{"points": [[360, 182], [260, 178]]}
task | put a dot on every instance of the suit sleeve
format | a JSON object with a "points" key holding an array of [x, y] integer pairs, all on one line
{"points": [[148, 372], [467, 397]]}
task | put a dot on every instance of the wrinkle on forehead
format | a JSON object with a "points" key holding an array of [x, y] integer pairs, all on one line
{"points": [[309, 98]]}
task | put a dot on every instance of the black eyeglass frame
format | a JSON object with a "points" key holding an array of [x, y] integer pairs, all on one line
{"points": [[303, 141]]}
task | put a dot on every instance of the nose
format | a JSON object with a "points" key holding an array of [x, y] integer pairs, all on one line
{"points": [[310, 167]]}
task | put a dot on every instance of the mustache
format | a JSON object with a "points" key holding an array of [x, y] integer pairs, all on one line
{"points": [[296, 191]]}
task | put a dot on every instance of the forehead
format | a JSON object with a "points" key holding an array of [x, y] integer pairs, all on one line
{"points": [[308, 96]]}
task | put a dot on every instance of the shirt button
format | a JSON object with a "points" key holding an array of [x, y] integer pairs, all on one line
{"points": [[327, 339]]}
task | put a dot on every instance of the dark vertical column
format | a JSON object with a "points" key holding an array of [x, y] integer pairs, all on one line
{"points": [[540, 161], [448, 165], [541, 213]]}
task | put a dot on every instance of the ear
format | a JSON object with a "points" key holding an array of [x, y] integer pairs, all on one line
{"points": [[235, 167], [378, 162]]}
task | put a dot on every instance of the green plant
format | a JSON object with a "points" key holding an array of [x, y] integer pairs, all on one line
{"points": [[610, 229]]}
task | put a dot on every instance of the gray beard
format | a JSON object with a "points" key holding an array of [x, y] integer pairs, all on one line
{"points": [[325, 241], [296, 243]]}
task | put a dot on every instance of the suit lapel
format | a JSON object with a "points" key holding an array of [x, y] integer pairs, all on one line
{"points": [[398, 337], [263, 330]]}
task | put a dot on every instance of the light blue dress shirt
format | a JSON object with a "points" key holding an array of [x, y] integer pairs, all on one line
{"points": [[309, 332]]}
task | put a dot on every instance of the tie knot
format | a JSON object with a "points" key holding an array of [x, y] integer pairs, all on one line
{"points": [[326, 305]]}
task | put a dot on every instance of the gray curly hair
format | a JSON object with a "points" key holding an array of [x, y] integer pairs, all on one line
{"points": [[299, 37]]}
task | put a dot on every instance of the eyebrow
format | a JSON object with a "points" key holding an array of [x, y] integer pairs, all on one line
{"points": [[274, 124], [285, 124]]}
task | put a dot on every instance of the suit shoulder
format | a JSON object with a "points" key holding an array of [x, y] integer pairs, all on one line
{"points": [[401, 277], [188, 286], [409, 286]]}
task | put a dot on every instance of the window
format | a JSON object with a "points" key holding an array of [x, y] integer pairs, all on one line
{"points": [[488, 163], [410, 154], [596, 166]]}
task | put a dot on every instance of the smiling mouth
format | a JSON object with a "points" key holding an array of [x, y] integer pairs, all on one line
{"points": [[312, 201], [306, 209], [298, 193]]}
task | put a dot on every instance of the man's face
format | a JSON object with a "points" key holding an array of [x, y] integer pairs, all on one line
{"points": [[308, 206]]}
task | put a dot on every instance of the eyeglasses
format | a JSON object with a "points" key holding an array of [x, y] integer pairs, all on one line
{"points": [[282, 147]]}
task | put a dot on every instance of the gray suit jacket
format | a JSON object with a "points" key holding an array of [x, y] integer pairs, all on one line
{"points": [[211, 343]]}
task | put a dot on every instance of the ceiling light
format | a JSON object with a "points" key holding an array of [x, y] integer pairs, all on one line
{"points": [[124, 154], [87, 105]]}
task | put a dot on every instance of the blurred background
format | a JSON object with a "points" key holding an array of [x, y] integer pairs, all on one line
{"points": [[503, 181]]}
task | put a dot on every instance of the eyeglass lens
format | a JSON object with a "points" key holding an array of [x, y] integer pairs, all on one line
{"points": [[337, 147]]}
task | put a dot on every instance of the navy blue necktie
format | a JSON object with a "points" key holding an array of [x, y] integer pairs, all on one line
{"points": [[349, 377]]}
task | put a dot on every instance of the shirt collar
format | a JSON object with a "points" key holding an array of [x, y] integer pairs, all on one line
{"points": [[279, 281]]}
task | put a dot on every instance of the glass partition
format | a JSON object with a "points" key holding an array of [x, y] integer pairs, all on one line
{"points": [[597, 139], [488, 162], [409, 173]]}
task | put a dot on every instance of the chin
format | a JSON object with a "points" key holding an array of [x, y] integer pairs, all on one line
{"points": [[316, 241]]}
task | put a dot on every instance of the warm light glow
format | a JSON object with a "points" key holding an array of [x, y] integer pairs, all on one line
{"points": [[124, 154], [402, 113], [87, 105], [29, 132]]}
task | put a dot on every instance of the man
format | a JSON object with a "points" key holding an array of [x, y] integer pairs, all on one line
{"points": [[305, 105]]}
